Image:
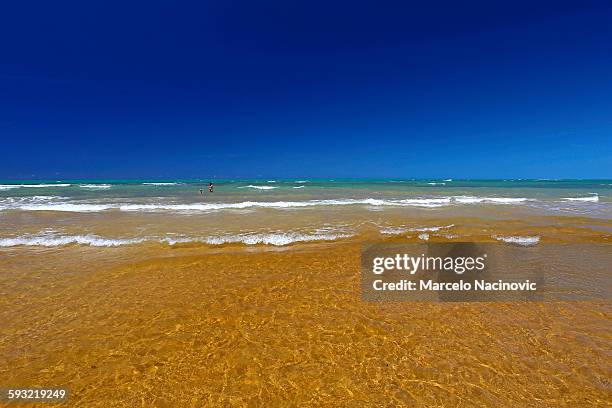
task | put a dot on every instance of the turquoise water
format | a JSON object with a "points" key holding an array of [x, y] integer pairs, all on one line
{"points": [[110, 194], [149, 187], [282, 211]]}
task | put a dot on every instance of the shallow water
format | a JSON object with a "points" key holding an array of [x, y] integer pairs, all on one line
{"points": [[154, 295], [144, 326]]}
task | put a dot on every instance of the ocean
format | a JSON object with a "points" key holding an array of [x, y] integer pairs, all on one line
{"points": [[280, 212], [112, 287]]}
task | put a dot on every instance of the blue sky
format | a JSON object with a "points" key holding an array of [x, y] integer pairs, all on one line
{"points": [[306, 89]]}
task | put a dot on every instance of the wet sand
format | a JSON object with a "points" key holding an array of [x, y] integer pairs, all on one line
{"points": [[194, 327]]}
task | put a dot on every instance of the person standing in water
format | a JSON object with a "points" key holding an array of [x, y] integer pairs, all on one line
{"points": [[210, 187]]}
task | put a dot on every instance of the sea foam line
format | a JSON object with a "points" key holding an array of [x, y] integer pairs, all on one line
{"points": [[519, 240], [160, 184], [259, 187], [276, 239], [489, 200], [403, 230], [10, 186], [410, 202], [54, 241], [96, 186], [594, 198]]}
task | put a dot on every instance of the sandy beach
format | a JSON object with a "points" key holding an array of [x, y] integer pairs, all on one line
{"points": [[235, 327]]}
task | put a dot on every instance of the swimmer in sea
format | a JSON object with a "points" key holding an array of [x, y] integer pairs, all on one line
{"points": [[210, 187], [201, 191]]}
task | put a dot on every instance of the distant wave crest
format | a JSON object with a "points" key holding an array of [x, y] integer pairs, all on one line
{"points": [[592, 198], [259, 187], [489, 200], [96, 186], [11, 186]]}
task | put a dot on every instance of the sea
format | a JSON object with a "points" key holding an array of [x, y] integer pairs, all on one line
{"points": [[281, 212]]}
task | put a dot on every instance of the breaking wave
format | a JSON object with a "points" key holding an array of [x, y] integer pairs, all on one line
{"points": [[592, 198], [489, 200], [96, 186], [46, 240], [276, 239], [403, 230], [259, 187], [11, 186], [56, 203]]}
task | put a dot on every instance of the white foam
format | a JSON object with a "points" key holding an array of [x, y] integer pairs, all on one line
{"points": [[271, 181], [160, 184], [302, 181], [448, 180], [489, 200], [83, 206], [524, 241], [66, 207], [424, 236], [431, 229], [437, 184], [276, 239], [47, 240], [259, 187], [422, 202], [299, 187], [96, 186], [393, 230], [9, 186], [92, 207], [593, 198]]}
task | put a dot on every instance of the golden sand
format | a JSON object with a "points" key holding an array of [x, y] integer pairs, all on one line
{"points": [[190, 328]]}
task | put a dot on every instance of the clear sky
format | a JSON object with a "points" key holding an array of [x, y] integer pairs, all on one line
{"points": [[492, 89]]}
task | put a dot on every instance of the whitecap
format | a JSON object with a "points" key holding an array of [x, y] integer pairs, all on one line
{"points": [[259, 187], [489, 200], [422, 202], [276, 239], [47, 240], [92, 207], [9, 186], [96, 186], [593, 198], [66, 207]]}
